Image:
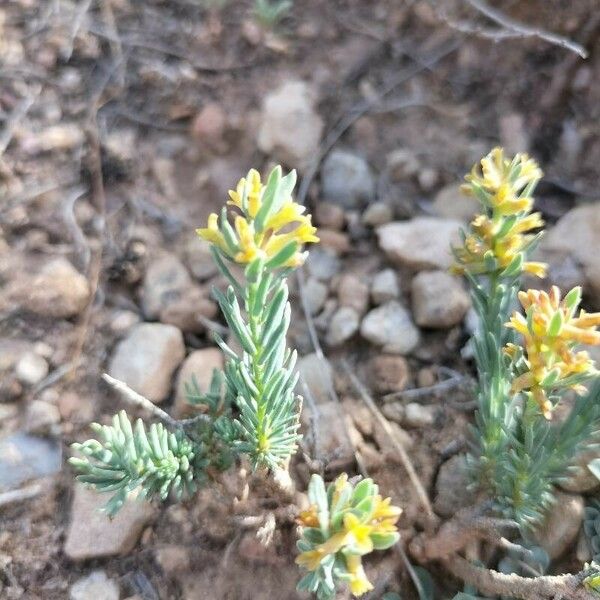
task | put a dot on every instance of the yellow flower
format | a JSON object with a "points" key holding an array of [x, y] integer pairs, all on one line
{"points": [[308, 517], [311, 559], [385, 515], [359, 584], [358, 534], [266, 240], [551, 332]]}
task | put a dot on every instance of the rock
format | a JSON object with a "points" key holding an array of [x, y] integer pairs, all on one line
{"points": [[394, 411], [336, 241], [346, 180], [91, 534], [199, 364], [577, 234], [402, 164], [188, 310], [332, 436], [451, 487], [55, 138], [582, 480], [199, 260], [253, 551], [317, 374], [451, 203], [388, 373], [438, 300], [361, 416], [561, 524], [353, 292], [146, 359], [95, 586], [385, 445], [24, 457], [208, 126], [290, 129], [427, 178], [121, 321], [391, 327], [315, 294], [165, 280], [31, 368], [173, 559], [385, 287], [420, 243], [59, 291], [41, 417], [323, 264], [343, 325], [418, 415], [330, 215], [377, 214], [513, 135]]}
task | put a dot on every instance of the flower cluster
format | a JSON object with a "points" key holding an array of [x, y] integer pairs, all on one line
{"points": [[498, 238], [551, 331], [269, 223], [344, 523]]}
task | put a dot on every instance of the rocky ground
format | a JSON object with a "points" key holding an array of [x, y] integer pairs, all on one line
{"points": [[123, 123]]}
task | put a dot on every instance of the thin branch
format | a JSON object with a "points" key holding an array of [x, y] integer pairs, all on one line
{"points": [[16, 116], [24, 493], [454, 380], [548, 587], [385, 425], [515, 29]]}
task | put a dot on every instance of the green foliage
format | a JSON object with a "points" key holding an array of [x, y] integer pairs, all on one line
{"points": [[270, 12]]}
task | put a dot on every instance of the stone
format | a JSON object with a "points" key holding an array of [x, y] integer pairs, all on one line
{"points": [[402, 164], [208, 126], [165, 280], [334, 241], [199, 260], [330, 215], [24, 457], [385, 444], [189, 310], [172, 558], [31, 368], [317, 374], [147, 358], [58, 291], [95, 586], [253, 551], [451, 203], [55, 138], [377, 214], [323, 264], [360, 415], [513, 134], [199, 365], [41, 417], [346, 180], [418, 415], [290, 128], [390, 326], [91, 534], [582, 479], [315, 294], [121, 321], [353, 292], [452, 487], [561, 525], [427, 178], [388, 373], [420, 243], [439, 300], [343, 325], [332, 436], [384, 287]]}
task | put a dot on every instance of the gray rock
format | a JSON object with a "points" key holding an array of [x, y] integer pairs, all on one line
{"points": [[317, 374], [147, 358], [189, 309], [582, 479], [199, 260], [438, 300], [402, 164], [561, 525], [290, 129], [346, 180], [91, 534], [57, 291], [385, 286], [377, 214], [330, 215], [451, 487], [199, 365], [418, 415], [24, 457], [41, 417], [388, 373], [315, 294], [390, 326], [166, 278], [323, 264], [420, 243], [343, 325], [451, 203], [353, 292], [95, 586], [31, 368]]}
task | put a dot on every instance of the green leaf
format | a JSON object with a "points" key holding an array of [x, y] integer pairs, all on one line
{"points": [[282, 256], [268, 199], [424, 585], [556, 324], [383, 541]]}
